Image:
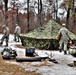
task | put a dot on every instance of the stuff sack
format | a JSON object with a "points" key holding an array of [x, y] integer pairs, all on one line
{"points": [[59, 36], [8, 53], [30, 51]]}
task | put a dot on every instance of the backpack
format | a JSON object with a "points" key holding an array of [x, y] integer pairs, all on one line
{"points": [[30, 51], [8, 53], [59, 36]]}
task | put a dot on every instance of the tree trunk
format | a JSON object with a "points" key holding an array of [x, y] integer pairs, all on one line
{"points": [[40, 6], [6, 8], [28, 15], [6, 3], [68, 15]]}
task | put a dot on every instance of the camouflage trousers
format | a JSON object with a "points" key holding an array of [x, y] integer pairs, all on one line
{"points": [[6, 38], [16, 37]]}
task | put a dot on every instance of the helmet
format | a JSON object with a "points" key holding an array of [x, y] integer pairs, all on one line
{"points": [[63, 24]]}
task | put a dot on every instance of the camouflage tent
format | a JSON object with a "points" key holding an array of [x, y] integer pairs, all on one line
{"points": [[44, 37]]}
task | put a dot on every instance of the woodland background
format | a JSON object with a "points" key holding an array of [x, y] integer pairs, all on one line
{"points": [[30, 14]]}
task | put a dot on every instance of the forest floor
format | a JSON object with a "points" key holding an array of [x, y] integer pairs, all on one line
{"points": [[13, 69], [44, 67]]}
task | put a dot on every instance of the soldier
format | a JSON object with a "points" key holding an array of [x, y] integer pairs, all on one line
{"points": [[64, 38], [5, 35], [17, 33]]}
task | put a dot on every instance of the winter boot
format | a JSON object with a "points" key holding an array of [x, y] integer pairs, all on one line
{"points": [[1, 43], [65, 52], [60, 50]]}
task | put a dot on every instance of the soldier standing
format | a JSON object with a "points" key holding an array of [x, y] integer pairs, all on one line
{"points": [[17, 33], [5, 35], [64, 38]]}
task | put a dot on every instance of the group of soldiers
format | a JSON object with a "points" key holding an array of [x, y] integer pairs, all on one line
{"points": [[6, 33], [63, 40]]}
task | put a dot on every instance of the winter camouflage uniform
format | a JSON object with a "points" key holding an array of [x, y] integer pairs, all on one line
{"points": [[17, 33], [5, 35], [64, 38]]}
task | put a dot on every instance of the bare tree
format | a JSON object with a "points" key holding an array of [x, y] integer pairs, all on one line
{"points": [[28, 14], [39, 10], [6, 8], [69, 7], [6, 2]]}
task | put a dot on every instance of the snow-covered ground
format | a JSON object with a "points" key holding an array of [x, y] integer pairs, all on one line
{"points": [[44, 67]]}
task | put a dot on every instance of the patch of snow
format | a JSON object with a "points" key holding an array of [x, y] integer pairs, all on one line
{"points": [[12, 62], [49, 68]]}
